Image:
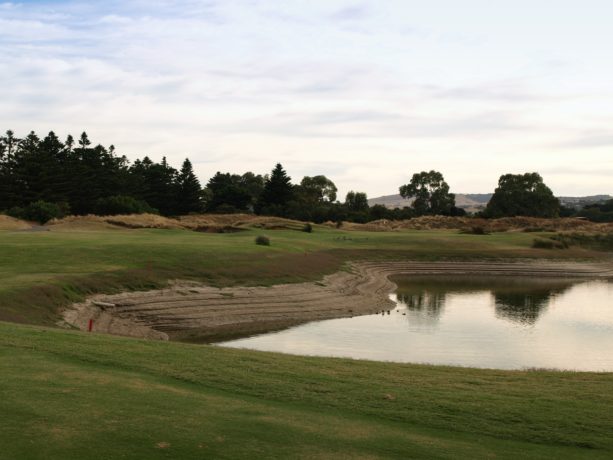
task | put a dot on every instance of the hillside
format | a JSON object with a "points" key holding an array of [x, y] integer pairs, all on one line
{"points": [[471, 202]]}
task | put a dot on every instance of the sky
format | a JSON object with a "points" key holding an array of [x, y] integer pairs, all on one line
{"points": [[365, 92]]}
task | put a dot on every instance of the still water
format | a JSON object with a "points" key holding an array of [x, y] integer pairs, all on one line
{"points": [[487, 322]]}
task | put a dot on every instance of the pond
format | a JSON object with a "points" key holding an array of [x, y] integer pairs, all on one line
{"points": [[486, 322]]}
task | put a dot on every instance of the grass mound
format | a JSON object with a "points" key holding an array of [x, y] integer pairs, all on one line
{"points": [[12, 224], [92, 222], [208, 223], [466, 224]]}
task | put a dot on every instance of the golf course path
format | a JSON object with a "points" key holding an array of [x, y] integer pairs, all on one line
{"points": [[193, 311]]}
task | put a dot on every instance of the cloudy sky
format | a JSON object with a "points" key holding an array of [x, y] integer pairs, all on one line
{"points": [[365, 92]]}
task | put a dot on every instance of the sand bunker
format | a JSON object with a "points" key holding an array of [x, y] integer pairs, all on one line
{"points": [[199, 312]]}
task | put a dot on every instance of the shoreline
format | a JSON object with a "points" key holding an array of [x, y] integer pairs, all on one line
{"points": [[195, 312]]}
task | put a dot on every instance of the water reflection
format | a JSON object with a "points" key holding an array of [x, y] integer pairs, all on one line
{"points": [[519, 300], [495, 322], [423, 308]]}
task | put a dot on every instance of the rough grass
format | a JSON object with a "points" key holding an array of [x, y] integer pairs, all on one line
{"points": [[75, 395], [10, 223], [504, 224], [212, 221]]}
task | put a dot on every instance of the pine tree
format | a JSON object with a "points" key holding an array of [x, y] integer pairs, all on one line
{"points": [[189, 191], [278, 192]]}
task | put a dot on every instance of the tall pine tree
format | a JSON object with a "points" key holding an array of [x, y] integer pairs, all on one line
{"points": [[189, 191], [278, 192]]}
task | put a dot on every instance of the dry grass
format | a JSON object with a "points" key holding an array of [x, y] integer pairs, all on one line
{"points": [[488, 225], [10, 223], [91, 222], [223, 223], [212, 223]]}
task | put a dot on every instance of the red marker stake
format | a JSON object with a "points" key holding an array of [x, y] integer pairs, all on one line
{"points": [[90, 325]]}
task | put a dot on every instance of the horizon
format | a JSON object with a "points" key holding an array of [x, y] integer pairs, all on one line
{"points": [[363, 93]]}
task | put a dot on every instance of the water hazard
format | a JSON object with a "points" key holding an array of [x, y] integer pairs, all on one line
{"points": [[487, 322]]}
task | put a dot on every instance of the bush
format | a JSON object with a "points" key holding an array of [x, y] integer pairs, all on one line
{"points": [[308, 228], [40, 211], [475, 230], [542, 243], [262, 240], [121, 204], [598, 241], [534, 229], [17, 212]]}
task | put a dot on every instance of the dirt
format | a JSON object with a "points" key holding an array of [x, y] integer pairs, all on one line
{"points": [[196, 312]]}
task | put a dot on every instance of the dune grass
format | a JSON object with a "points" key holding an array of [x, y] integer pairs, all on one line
{"points": [[76, 395]]}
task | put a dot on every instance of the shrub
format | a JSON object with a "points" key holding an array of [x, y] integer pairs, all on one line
{"points": [[16, 211], [40, 211], [542, 243], [475, 230], [121, 204], [534, 229], [598, 241], [308, 228], [262, 240]]}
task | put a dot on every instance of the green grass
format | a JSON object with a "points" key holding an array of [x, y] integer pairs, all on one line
{"points": [[40, 272], [72, 395], [66, 395]]}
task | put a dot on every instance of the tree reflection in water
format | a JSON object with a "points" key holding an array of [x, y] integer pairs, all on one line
{"points": [[524, 307], [424, 307], [519, 300]]}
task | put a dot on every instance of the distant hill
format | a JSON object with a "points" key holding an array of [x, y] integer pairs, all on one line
{"points": [[473, 202], [580, 201]]}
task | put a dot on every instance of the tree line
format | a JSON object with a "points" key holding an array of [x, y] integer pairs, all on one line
{"points": [[46, 177]]}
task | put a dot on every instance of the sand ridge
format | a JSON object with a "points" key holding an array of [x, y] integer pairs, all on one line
{"points": [[193, 311]]}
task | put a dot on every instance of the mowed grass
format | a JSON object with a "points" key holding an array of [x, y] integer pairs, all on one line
{"points": [[72, 395], [41, 271]]}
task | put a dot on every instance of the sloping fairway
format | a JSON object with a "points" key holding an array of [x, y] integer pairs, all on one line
{"points": [[70, 395]]}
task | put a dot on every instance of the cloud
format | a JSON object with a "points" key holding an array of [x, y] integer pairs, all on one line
{"points": [[346, 87], [588, 141], [350, 13]]}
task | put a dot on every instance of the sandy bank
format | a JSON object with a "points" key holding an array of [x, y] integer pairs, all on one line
{"points": [[198, 312]]}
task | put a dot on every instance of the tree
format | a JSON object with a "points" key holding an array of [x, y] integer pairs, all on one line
{"points": [[231, 192], [278, 192], [522, 195], [318, 189], [84, 140], [189, 191], [154, 183], [9, 142], [430, 193], [356, 201], [82, 177]]}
